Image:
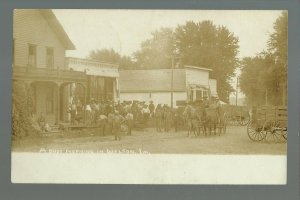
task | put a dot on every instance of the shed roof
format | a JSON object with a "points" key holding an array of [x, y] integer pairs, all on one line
{"points": [[152, 80], [58, 29]]}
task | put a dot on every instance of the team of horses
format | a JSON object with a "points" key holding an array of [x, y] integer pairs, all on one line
{"points": [[207, 120]]}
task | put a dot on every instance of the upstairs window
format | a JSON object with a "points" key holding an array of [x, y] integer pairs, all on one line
{"points": [[32, 55], [50, 58]]}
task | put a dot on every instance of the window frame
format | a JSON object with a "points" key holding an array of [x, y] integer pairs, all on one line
{"points": [[35, 55]]}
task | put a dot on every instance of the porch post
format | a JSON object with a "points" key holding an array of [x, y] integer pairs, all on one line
{"points": [[58, 104]]}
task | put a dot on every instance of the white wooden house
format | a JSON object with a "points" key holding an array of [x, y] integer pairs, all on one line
{"points": [[39, 46]]}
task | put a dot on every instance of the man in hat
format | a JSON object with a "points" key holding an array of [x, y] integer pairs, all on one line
{"points": [[102, 124], [168, 119], [205, 102], [117, 121], [129, 121], [158, 118], [151, 108], [42, 122], [109, 124], [177, 119], [218, 104]]}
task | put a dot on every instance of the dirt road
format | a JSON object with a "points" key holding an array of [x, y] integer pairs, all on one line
{"points": [[235, 141]]}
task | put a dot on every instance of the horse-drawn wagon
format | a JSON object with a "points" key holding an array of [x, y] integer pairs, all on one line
{"points": [[268, 123]]}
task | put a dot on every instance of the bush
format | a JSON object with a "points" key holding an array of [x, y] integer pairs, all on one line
{"points": [[22, 106]]}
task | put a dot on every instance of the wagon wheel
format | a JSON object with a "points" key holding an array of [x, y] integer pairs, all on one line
{"points": [[255, 131], [274, 131]]}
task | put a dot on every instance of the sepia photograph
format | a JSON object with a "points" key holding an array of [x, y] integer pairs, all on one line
{"points": [[149, 96]]}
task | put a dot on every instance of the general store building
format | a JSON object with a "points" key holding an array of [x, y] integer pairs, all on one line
{"points": [[187, 84]]}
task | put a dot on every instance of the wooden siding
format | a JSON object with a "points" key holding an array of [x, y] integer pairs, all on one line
{"points": [[197, 77], [30, 27], [152, 80]]}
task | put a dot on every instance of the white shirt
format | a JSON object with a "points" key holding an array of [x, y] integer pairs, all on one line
{"points": [[88, 108]]}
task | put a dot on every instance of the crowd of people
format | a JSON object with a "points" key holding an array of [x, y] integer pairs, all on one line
{"points": [[94, 109], [109, 116]]}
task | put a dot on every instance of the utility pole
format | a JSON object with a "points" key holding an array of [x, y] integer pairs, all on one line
{"points": [[236, 91]]}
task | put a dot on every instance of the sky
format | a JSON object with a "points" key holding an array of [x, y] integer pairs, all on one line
{"points": [[124, 30]]}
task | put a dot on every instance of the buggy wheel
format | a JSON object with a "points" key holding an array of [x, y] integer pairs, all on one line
{"points": [[274, 132], [255, 132]]}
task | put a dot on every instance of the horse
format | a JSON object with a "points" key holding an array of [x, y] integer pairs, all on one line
{"points": [[215, 118], [192, 119], [211, 120]]}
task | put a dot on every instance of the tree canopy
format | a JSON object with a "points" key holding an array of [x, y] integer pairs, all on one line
{"points": [[264, 77], [206, 45], [199, 44], [156, 52], [110, 56]]}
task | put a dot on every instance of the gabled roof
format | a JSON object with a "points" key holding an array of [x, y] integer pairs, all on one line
{"points": [[57, 28], [152, 80]]}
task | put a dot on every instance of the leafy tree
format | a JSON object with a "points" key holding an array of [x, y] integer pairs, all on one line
{"points": [[278, 46], [110, 56], [156, 52], [206, 45], [259, 80], [22, 108], [278, 42], [200, 44], [265, 75]]}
